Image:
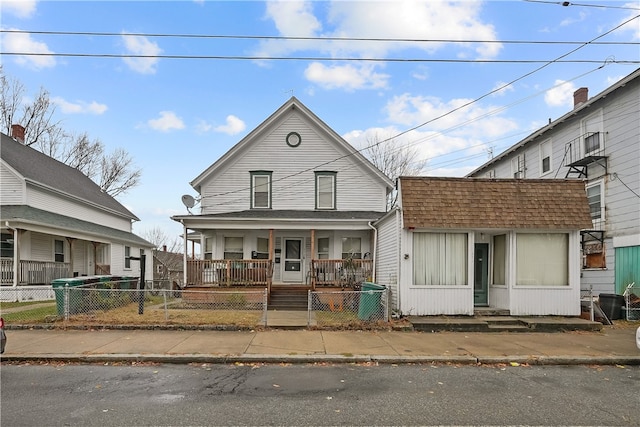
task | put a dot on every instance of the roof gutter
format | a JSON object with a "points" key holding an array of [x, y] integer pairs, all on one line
{"points": [[375, 250]]}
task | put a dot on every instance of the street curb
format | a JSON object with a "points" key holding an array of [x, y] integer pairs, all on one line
{"points": [[306, 359]]}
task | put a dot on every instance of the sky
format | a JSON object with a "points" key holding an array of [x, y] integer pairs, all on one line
{"points": [[177, 83]]}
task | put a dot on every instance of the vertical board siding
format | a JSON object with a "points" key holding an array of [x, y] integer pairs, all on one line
{"points": [[434, 301], [545, 302], [601, 280], [499, 297], [293, 178], [627, 267]]}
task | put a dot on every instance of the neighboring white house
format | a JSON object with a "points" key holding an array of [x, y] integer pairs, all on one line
{"points": [[454, 244], [597, 142], [290, 204], [55, 222]]}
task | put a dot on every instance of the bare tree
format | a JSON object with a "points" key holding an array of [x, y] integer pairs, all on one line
{"points": [[394, 160], [114, 172], [160, 239]]}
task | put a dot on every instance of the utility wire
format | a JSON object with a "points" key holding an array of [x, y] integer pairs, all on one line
{"points": [[341, 39]]}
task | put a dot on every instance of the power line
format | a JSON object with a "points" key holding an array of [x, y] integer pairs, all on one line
{"points": [[307, 38], [568, 3]]}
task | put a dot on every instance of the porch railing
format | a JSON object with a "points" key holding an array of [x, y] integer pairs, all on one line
{"points": [[103, 269], [33, 272], [343, 273], [229, 272]]}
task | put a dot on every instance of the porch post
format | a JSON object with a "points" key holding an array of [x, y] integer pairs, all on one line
{"points": [[313, 257], [271, 263], [70, 240], [16, 256], [184, 255]]}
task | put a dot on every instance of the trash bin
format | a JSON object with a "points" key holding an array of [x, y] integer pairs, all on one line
{"points": [[611, 305], [370, 304], [75, 298]]}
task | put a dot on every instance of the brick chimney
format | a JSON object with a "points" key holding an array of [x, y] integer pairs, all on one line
{"points": [[580, 96], [17, 133], [164, 248]]}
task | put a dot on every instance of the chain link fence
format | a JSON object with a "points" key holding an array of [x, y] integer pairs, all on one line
{"points": [[116, 303], [348, 308]]}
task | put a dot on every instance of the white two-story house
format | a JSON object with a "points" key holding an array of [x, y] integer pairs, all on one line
{"points": [[291, 204], [597, 142], [55, 222]]}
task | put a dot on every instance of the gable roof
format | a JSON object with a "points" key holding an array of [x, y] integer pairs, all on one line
{"points": [[47, 172], [577, 110], [292, 104], [479, 203]]}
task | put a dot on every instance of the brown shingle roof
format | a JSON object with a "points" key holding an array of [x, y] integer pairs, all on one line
{"points": [[431, 202]]}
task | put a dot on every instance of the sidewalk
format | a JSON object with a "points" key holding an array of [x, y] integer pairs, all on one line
{"points": [[610, 346]]}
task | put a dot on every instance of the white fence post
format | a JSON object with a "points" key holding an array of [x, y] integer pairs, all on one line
{"points": [[66, 301]]}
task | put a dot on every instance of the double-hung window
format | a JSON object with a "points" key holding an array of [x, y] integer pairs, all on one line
{"points": [[326, 190], [545, 157], [261, 190], [593, 132], [58, 250], [351, 248], [594, 197], [127, 257], [323, 248], [233, 248]]}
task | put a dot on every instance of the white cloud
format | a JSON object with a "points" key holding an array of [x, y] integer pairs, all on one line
{"points": [[560, 95], [233, 126], [402, 20], [502, 89], [167, 122], [79, 107], [348, 77], [140, 45], [23, 43], [20, 8]]}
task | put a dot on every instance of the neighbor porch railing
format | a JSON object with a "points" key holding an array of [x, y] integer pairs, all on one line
{"points": [[33, 272], [343, 273], [229, 272]]}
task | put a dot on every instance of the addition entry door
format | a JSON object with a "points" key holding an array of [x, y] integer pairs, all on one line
{"points": [[292, 263]]}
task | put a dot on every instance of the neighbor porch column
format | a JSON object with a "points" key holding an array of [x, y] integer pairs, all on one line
{"points": [[313, 257]]}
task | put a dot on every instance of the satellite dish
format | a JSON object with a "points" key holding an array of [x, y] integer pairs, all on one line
{"points": [[188, 201]]}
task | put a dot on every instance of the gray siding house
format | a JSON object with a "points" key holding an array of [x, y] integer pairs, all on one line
{"points": [[55, 222], [597, 142]]}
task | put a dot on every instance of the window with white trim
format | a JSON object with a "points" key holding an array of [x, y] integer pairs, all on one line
{"points": [[518, 166], [6, 245], [208, 248], [596, 203], [542, 259], [323, 248], [499, 259], [127, 257], [262, 248], [58, 250], [351, 248], [440, 259], [233, 248], [260, 190], [325, 190], [545, 157], [592, 134]]}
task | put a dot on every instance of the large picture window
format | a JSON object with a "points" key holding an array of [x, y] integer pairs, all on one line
{"points": [[261, 190], [542, 259], [440, 259], [325, 190]]}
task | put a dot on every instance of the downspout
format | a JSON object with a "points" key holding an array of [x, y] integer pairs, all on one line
{"points": [[184, 255], [374, 252], [16, 260]]}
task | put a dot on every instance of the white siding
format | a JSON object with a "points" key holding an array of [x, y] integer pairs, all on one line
{"points": [[47, 201], [12, 186], [293, 177], [388, 256]]}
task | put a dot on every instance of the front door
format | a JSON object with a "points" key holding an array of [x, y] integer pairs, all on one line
{"points": [[292, 263], [481, 269]]}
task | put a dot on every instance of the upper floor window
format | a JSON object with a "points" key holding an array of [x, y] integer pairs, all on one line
{"points": [[545, 157], [233, 248], [325, 190], [490, 174], [351, 248], [518, 166], [594, 196], [592, 143], [592, 133], [261, 189]]}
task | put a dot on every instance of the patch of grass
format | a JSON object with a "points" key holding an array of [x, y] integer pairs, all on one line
{"points": [[5, 305], [36, 315]]}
